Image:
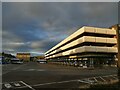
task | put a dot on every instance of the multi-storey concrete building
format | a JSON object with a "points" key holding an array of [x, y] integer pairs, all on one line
{"points": [[23, 56], [88, 46]]}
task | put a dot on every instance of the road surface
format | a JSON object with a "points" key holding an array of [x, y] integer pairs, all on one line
{"points": [[33, 76]]}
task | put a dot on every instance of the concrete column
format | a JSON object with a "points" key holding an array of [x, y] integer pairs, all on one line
{"points": [[118, 44], [92, 62], [117, 28], [85, 62]]}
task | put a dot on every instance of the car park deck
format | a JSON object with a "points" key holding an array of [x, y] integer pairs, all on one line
{"points": [[33, 76]]}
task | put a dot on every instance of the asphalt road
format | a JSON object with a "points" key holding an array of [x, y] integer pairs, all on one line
{"points": [[33, 76]]}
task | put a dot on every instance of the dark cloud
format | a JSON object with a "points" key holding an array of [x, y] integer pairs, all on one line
{"points": [[38, 26]]}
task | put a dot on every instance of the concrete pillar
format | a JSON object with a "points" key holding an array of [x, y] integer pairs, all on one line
{"points": [[117, 28], [91, 62], [118, 44]]}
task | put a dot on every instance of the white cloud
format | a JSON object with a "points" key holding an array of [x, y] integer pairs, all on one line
{"points": [[9, 50], [35, 44]]}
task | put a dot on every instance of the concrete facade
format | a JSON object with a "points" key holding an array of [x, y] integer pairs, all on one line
{"points": [[88, 45], [24, 56]]}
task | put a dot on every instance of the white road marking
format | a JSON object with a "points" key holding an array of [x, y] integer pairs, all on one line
{"points": [[95, 79], [14, 84], [45, 83], [19, 67], [91, 81], [7, 85], [54, 83], [67, 81], [40, 70], [115, 77], [88, 82], [102, 79], [29, 70], [109, 75], [17, 84], [27, 85], [13, 69], [34, 70], [5, 72]]}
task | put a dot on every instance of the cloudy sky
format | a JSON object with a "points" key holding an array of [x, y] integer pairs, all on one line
{"points": [[36, 27]]}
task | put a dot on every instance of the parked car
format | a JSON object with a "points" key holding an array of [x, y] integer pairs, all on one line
{"points": [[75, 64], [41, 61], [4, 60], [0, 60], [71, 63], [16, 61]]}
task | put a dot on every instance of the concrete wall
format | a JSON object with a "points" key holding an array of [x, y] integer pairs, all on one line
{"points": [[87, 49], [86, 39], [82, 30]]}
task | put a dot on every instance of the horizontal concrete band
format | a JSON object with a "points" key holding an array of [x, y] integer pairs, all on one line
{"points": [[86, 39], [86, 49], [82, 30]]}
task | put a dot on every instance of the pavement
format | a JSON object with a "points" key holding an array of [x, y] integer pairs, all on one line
{"points": [[36, 76]]}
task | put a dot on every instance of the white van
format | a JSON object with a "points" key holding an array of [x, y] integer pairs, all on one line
{"points": [[41, 61], [16, 61]]}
